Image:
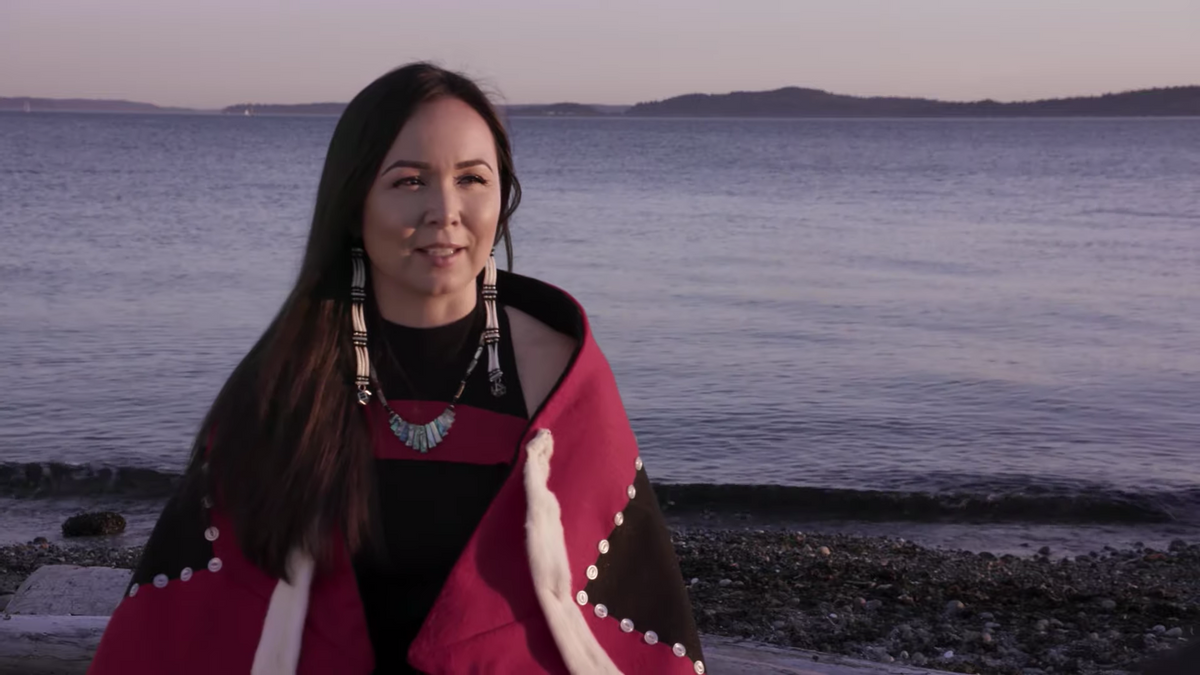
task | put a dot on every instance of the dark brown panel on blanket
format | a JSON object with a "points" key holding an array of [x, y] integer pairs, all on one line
{"points": [[180, 541], [639, 577]]}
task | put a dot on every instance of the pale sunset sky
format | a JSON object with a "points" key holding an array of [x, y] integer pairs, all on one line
{"points": [[212, 53]]}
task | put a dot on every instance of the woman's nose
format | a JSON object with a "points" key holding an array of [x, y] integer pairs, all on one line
{"points": [[444, 207]]}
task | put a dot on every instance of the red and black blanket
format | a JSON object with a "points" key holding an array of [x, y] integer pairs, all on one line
{"points": [[570, 570]]}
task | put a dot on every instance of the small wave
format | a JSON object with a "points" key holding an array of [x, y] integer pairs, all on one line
{"points": [[1097, 507], [52, 479], [983, 504]]}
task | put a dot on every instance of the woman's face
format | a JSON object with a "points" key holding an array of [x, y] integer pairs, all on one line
{"points": [[430, 218]]}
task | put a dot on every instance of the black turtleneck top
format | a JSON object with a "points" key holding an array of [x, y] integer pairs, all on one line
{"points": [[430, 504]]}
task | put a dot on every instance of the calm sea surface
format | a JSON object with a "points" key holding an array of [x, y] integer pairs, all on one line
{"points": [[927, 305]]}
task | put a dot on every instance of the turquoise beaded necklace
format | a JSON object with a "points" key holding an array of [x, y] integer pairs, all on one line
{"points": [[424, 437]]}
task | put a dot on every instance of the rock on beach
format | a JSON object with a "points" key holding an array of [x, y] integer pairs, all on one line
{"points": [[93, 524]]}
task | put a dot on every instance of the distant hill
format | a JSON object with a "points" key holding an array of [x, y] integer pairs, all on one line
{"points": [[550, 110], [797, 102], [82, 105], [786, 102], [554, 110], [285, 109]]}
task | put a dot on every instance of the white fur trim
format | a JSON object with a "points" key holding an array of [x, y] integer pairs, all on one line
{"points": [[547, 545], [279, 646]]}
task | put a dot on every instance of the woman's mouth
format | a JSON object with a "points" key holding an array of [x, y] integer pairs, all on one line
{"points": [[441, 256]]}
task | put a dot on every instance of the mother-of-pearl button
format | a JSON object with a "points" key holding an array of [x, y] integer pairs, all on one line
{"points": [[603, 546], [593, 572], [627, 625], [160, 581], [632, 492], [637, 463], [699, 667], [619, 519], [212, 533], [214, 565], [133, 590], [186, 574], [581, 597], [679, 650], [601, 611], [651, 637]]}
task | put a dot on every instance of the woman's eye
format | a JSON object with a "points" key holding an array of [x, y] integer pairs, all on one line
{"points": [[472, 178], [410, 181]]}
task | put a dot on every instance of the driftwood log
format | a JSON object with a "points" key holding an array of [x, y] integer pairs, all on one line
{"points": [[48, 645]]}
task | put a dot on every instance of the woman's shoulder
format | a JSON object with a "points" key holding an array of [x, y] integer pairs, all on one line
{"points": [[551, 337], [542, 353], [549, 305]]}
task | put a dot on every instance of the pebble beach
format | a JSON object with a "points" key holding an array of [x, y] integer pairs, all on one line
{"points": [[893, 601]]}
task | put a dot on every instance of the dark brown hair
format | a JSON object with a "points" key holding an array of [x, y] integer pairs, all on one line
{"points": [[285, 447]]}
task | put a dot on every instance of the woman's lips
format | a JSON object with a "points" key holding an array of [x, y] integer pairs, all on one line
{"points": [[441, 256]]}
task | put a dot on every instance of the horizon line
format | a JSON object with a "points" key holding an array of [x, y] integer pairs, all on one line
{"points": [[622, 105]]}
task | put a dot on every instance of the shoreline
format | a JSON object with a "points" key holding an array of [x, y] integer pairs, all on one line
{"points": [[890, 600], [1074, 519]]}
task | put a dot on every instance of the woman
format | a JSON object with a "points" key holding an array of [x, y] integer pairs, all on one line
{"points": [[423, 465]]}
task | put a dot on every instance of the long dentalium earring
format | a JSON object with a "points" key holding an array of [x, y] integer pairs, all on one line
{"points": [[491, 333], [358, 295]]}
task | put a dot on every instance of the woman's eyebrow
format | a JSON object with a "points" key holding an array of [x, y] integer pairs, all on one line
{"points": [[423, 166], [473, 162], [405, 163]]}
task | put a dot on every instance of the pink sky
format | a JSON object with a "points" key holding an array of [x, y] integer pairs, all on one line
{"points": [[211, 53]]}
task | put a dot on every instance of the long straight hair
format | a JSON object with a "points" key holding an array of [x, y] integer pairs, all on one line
{"points": [[285, 448]]}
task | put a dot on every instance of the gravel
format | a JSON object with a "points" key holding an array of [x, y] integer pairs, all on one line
{"points": [[19, 561], [951, 610]]}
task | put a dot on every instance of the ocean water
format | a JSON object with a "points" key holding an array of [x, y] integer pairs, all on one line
{"points": [[1000, 318]]}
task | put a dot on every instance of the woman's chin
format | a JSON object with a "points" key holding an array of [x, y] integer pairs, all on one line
{"points": [[443, 282]]}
